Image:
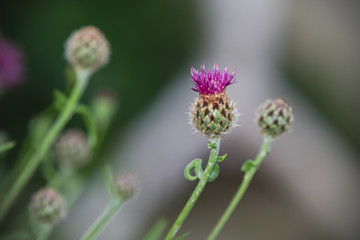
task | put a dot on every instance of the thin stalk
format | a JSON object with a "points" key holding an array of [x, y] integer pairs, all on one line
{"points": [[214, 152], [101, 222], [6, 146], [64, 116], [44, 232], [156, 230], [248, 176]]}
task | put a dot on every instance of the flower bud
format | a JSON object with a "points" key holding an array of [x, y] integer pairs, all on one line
{"points": [[48, 207], [213, 112], [125, 185], [275, 117], [87, 49], [72, 150], [104, 104]]}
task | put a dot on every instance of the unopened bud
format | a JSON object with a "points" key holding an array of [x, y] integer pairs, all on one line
{"points": [[104, 103], [71, 149], [87, 49], [125, 185], [48, 207], [275, 117]]}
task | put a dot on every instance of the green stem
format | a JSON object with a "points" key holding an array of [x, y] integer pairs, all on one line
{"points": [[44, 232], [196, 193], [249, 174], [60, 178], [64, 116], [102, 220], [156, 230]]}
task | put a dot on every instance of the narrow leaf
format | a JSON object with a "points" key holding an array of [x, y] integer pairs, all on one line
{"points": [[7, 146]]}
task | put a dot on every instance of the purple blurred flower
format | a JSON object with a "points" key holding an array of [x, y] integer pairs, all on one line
{"points": [[11, 65], [211, 81]]}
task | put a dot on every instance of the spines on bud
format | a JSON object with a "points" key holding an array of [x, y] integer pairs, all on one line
{"points": [[213, 115], [48, 207], [125, 185], [87, 49], [275, 117], [72, 150]]}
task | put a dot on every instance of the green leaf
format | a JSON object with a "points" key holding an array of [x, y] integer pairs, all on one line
{"points": [[183, 236], [7, 146], [211, 145], [214, 173], [248, 164], [221, 158]]}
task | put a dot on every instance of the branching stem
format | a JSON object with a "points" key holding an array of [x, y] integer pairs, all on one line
{"points": [[214, 152], [33, 162]]}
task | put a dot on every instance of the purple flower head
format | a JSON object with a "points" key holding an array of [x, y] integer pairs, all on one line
{"points": [[11, 65], [211, 81]]}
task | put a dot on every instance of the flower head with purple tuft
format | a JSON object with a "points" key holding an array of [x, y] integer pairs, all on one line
{"points": [[213, 113], [211, 81]]}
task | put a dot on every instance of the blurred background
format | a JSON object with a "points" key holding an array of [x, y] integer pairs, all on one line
{"points": [[304, 51]]}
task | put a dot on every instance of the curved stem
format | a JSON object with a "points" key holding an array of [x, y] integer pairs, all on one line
{"points": [[102, 220], [33, 162], [199, 188], [85, 113], [249, 174]]}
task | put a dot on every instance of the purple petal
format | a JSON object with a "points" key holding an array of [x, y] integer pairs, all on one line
{"points": [[211, 81]]}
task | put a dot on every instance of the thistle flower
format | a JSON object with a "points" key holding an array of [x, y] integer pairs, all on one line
{"points": [[125, 185], [71, 149], [275, 117], [87, 49], [11, 65], [48, 206], [213, 112]]}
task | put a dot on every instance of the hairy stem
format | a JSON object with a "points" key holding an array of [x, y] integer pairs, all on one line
{"points": [[33, 162], [214, 152], [248, 176]]}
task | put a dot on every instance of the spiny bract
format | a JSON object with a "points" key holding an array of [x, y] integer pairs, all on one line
{"points": [[275, 117]]}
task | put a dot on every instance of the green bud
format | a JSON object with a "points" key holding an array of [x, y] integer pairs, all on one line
{"points": [[72, 150], [275, 117], [87, 49], [213, 115], [125, 185], [104, 104], [48, 207]]}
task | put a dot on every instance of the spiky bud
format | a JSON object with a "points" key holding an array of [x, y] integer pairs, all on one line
{"points": [[213, 112], [125, 185], [71, 149], [87, 49], [275, 117], [48, 206]]}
